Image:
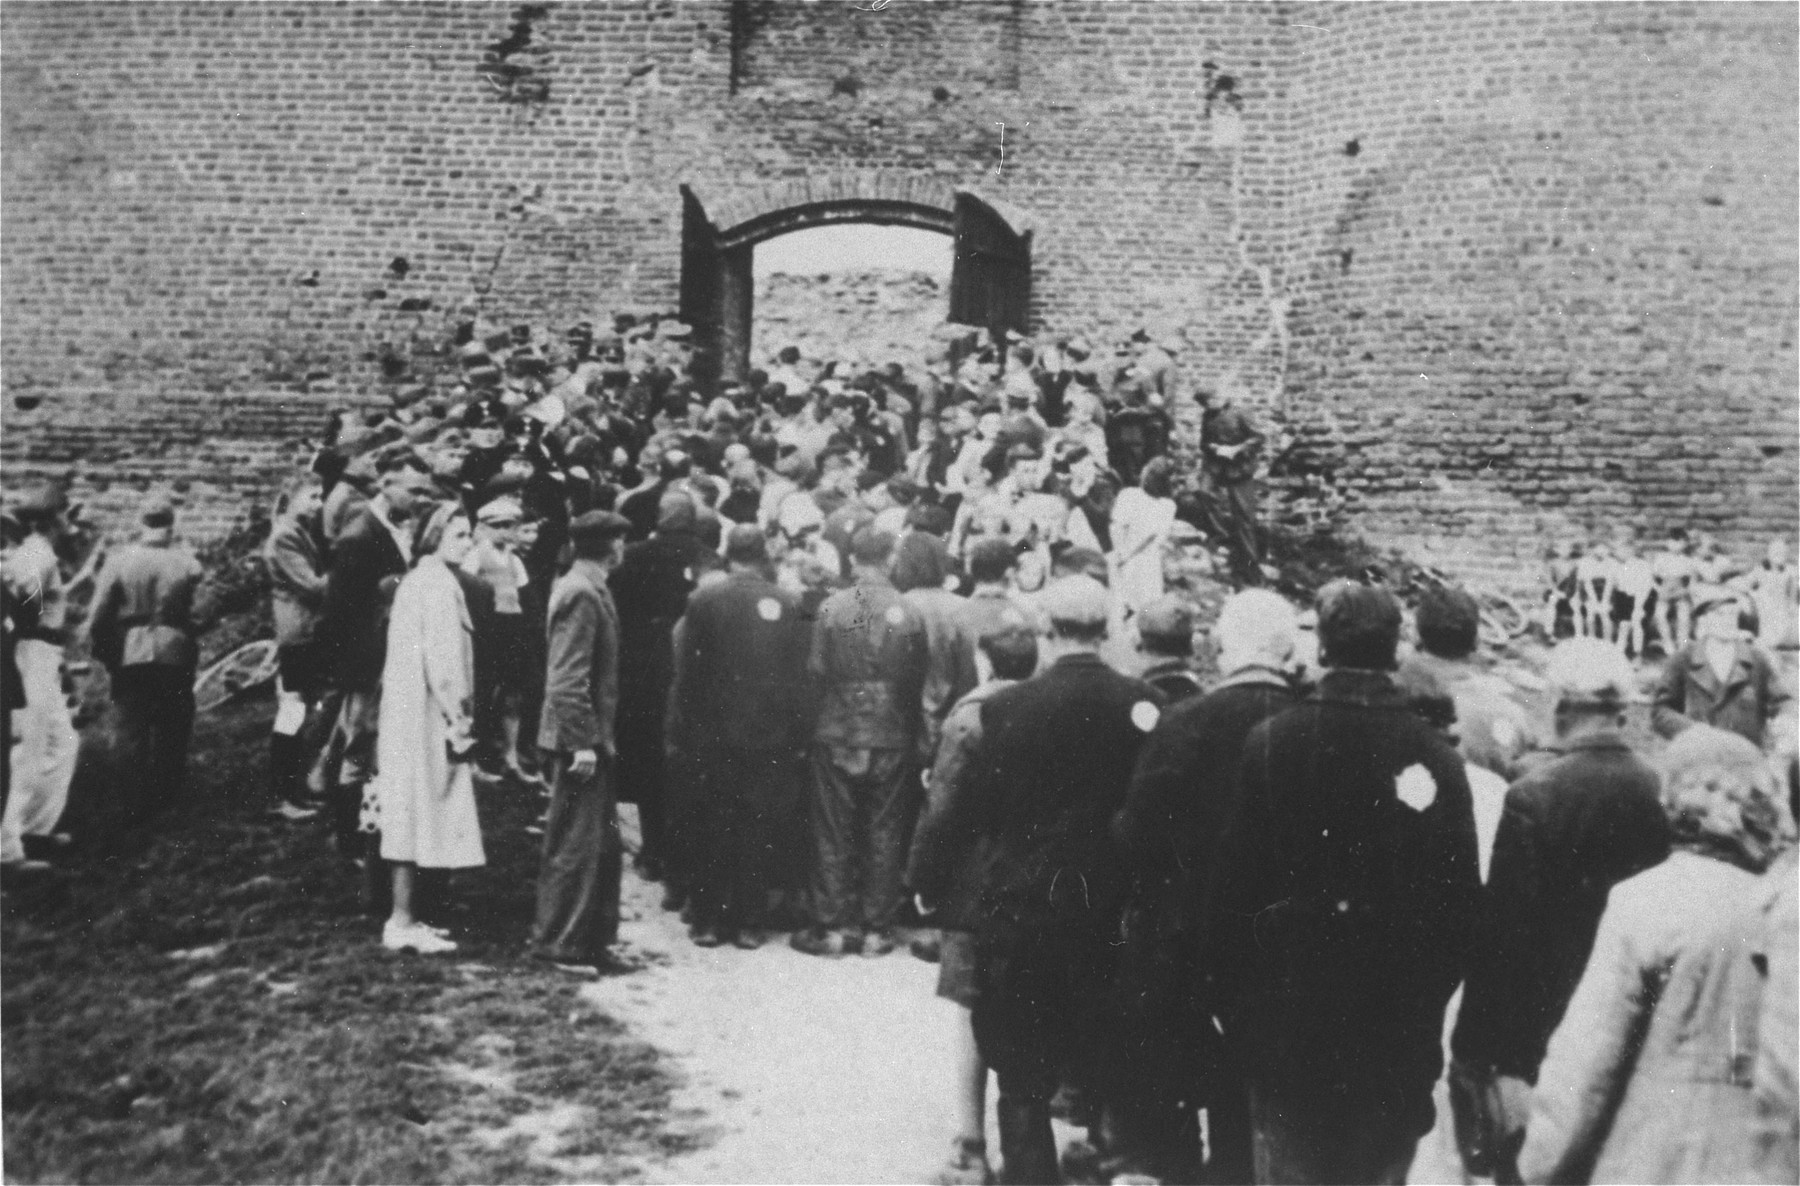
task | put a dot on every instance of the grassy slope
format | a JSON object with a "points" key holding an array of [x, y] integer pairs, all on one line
{"points": [[217, 1010]]}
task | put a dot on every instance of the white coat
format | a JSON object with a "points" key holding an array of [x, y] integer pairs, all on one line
{"points": [[427, 687]]}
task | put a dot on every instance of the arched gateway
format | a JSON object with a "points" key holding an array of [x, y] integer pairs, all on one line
{"points": [[990, 280]]}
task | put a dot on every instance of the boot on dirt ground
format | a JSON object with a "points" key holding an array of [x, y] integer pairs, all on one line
{"points": [[830, 944], [968, 1164]]}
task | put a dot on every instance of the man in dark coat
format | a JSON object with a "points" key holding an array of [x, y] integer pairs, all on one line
{"points": [[1346, 899], [1137, 432], [1183, 792], [1573, 828], [1229, 447], [578, 880], [869, 658], [368, 558], [643, 506], [1009, 647], [741, 702], [1721, 678], [1055, 762], [650, 589], [1494, 728]]}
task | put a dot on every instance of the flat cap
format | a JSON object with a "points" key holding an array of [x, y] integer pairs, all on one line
{"points": [[597, 526], [675, 512], [500, 512], [1168, 617], [1023, 451], [44, 498], [158, 512], [746, 544], [1078, 601], [1083, 562], [1589, 671]]}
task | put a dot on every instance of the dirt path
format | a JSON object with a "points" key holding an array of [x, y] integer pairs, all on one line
{"points": [[794, 1068], [806, 1070]]}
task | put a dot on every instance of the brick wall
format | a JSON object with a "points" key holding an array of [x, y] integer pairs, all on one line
{"points": [[1542, 265], [1575, 222]]}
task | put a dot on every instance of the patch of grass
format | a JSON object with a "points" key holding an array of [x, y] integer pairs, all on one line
{"points": [[219, 1009]]}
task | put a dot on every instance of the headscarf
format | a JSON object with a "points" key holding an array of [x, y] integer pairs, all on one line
{"points": [[431, 528], [1722, 799]]}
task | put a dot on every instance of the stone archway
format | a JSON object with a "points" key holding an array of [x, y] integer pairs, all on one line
{"points": [[990, 282]]}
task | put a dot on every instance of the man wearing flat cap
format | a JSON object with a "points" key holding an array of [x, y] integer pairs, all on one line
{"points": [[578, 880], [1572, 829], [740, 706], [142, 627], [1345, 903], [1721, 678], [1056, 758], [1009, 647]]}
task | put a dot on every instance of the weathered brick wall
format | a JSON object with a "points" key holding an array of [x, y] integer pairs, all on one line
{"points": [[1542, 261], [248, 207]]}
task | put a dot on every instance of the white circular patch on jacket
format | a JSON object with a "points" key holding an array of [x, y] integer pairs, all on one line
{"points": [[769, 610], [1416, 787], [1145, 715], [895, 615]]}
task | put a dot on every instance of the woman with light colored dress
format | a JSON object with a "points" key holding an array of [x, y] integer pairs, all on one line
{"points": [[424, 782]]}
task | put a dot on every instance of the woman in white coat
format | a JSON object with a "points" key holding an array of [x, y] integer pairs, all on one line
{"points": [[1142, 518], [424, 779]]}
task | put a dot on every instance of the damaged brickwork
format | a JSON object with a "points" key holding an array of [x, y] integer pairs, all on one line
{"points": [[1489, 270]]}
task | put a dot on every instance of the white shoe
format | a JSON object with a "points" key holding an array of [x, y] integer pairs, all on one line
{"points": [[414, 938]]}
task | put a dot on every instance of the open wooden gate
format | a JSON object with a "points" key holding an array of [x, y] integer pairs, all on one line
{"points": [[990, 281]]}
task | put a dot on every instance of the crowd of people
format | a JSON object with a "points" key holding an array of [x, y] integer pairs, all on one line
{"points": [[887, 654], [1647, 597]]}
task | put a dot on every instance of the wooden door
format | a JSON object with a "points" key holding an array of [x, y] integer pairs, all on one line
{"points": [[990, 280]]}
